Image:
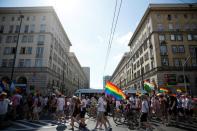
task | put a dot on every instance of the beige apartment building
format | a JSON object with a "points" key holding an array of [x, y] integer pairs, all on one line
{"points": [[43, 61], [163, 49]]}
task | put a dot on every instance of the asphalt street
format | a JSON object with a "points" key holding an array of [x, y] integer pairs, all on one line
{"points": [[50, 125]]}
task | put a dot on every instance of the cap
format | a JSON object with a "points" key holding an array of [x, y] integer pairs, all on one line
{"points": [[3, 93]]}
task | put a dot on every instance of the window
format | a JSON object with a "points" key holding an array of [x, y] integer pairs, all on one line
{"points": [[179, 37], [13, 18], [42, 28], [30, 38], [28, 50], [39, 51], [193, 51], [170, 26], [27, 63], [8, 39], [26, 28], [181, 49], [21, 63], [146, 56], [163, 50], [160, 27], [193, 27], [187, 27], [22, 50], [14, 40], [4, 63], [1, 39], [141, 60], [174, 49], [33, 18], [41, 39], [11, 28], [161, 37], [10, 62], [189, 37], [24, 39], [18, 18], [145, 46], [147, 67], [43, 18], [177, 27], [185, 16], [32, 28], [164, 61], [194, 61], [38, 63], [169, 17], [195, 37], [175, 16], [177, 62], [3, 18], [27, 18], [172, 37], [17, 28], [2, 29]]}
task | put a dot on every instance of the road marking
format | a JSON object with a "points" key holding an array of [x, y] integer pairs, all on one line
{"points": [[20, 124]]}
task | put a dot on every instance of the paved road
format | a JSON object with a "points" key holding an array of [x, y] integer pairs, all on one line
{"points": [[50, 125]]}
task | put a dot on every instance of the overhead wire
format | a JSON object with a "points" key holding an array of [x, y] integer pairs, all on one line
{"points": [[112, 33]]}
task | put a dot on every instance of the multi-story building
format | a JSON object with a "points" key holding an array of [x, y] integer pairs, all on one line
{"points": [[79, 78], [163, 48], [105, 79], [42, 56], [119, 77], [87, 73]]}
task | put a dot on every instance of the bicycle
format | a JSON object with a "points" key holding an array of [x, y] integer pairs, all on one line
{"points": [[129, 117]]}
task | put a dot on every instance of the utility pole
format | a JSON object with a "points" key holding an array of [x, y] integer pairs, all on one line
{"points": [[15, 53]]}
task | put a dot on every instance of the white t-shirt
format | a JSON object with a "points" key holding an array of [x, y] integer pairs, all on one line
{"points": [[118, 104], [84, 103], [4, 106], [101, 104], [60, 104], [145, 107]]}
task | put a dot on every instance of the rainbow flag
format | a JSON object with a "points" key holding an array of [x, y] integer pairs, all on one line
{"points": [[111, 89], [164, 90], [148, 86]]}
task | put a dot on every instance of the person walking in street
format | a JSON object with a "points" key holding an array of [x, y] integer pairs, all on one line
{"points": [[83, 111], [4, 102], [60, 108], [76, 111], [144, 113], [101, 110]]}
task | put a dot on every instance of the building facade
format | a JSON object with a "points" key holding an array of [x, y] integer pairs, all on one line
{"points": [[42, 56], [87, 73], [105, 79], [121, 74], [163, 48]]}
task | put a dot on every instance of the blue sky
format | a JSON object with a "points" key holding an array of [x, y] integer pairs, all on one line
{"points": [[88, 23]]}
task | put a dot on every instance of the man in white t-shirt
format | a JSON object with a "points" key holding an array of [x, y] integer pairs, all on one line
{"points": [[101, 110], [60, 106]]}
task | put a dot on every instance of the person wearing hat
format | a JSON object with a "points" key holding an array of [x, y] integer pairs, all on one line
{"points": [[4, 102]]}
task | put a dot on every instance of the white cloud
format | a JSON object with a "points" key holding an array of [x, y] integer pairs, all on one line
{"points": [[124, 39]]}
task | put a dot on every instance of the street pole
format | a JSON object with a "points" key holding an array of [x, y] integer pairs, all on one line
{"points": [[184, 73], [15, 53]]}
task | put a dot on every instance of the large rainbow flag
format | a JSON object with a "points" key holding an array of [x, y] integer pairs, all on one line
{"points": [[113, 90]]}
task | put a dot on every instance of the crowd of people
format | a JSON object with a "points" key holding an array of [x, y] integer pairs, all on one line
{"points": [[60, 108]]}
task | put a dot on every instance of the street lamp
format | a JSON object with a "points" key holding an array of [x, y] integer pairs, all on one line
{"points": [[15, 53], [184, 73]]}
